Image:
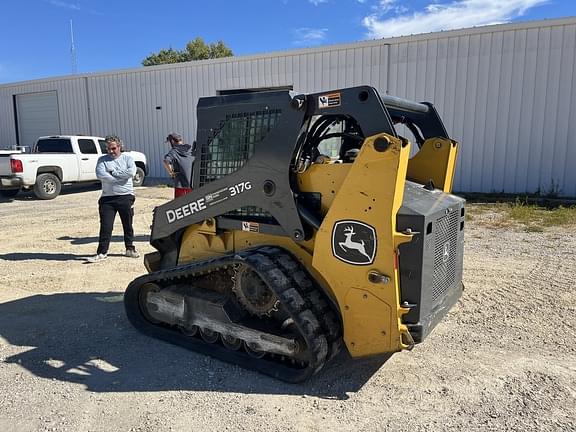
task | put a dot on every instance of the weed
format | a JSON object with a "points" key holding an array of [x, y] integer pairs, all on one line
{"points": [[534, 228], [529, 217], [536, 217]]}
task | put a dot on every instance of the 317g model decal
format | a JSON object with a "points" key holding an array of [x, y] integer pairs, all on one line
{"points": [[239, 188], [354, 242], [207, 201]]}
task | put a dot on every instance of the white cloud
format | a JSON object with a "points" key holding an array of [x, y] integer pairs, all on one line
{"points": [[68, 5], [385, 5], [308, 36], [317, 2], [448, 16]]}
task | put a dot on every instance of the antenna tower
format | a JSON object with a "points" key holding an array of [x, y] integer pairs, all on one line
{"points": [[73, 59]]}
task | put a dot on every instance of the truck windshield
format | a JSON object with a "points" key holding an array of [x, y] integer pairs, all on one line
{"points": [[54, 145]]}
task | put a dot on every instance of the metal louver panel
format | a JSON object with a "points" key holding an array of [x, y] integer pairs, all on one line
{"points": [[445, 244]]}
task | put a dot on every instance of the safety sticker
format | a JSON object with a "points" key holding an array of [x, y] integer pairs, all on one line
{"points": [[329, 100], [250, 226]]}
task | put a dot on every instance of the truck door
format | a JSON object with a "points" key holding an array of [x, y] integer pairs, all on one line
{"points": [[87, 157]]}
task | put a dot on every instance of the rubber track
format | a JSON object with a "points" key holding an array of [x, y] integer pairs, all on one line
{"points": [[318, 301], [291, 284]]}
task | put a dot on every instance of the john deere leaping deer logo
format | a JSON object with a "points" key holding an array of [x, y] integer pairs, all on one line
{"points": [[354, 242]]}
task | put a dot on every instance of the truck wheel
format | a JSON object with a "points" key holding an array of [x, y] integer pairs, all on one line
{"points": [[138, 179], [9, 193], [47, 186]]}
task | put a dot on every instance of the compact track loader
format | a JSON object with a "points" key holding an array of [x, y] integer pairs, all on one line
{"points": [[309, 228]]}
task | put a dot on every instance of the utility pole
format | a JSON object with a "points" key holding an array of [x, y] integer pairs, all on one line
{"points": [[73, 60]]}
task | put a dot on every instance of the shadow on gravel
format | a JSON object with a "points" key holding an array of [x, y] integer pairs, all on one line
{"points": [[115, 239], [85, 338], [24, 256]]}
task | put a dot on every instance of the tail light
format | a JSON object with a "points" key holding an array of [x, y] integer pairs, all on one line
{"points": [[16, 166]]}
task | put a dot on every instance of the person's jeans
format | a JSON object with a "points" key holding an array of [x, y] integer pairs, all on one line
{"points": [[108, 206]]}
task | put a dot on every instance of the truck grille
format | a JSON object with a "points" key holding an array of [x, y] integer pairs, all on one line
{"points": [[445, 254]]}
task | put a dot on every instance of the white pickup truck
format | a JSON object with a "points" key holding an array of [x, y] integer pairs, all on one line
{"points": [[56, 160]]}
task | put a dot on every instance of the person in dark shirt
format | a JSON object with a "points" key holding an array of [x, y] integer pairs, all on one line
{"points": [[179, 163]]}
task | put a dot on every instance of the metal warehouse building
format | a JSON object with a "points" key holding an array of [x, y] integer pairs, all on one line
{"points": [[506, 92]]}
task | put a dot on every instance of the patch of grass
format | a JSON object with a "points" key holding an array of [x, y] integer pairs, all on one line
{"points": [[534, 228], [536, 218], [529, 217]]}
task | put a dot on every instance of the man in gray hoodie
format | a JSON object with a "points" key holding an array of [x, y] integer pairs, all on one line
{"points": [[115, 170], [179, 162]]}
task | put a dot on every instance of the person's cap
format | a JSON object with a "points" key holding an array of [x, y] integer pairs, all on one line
{"points": [[174, 136]]}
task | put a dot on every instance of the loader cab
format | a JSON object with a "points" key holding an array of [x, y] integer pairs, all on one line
{"points": [[332, 139], [340, 136]]}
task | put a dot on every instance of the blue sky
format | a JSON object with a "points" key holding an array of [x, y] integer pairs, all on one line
{"points": [[117, 34]]}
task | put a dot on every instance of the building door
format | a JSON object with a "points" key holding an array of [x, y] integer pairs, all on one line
{"points": [[36, 116]]}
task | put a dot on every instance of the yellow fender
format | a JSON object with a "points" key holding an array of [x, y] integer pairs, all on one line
{"points": [[368, 293]]}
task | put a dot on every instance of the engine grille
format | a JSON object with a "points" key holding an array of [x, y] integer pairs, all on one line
{"points": [[445, 253]]}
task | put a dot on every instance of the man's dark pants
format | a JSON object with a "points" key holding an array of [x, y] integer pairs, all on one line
{"points": [[108, 206]]}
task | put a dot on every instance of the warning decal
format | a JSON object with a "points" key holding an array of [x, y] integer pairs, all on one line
{"points": [[329, 101], [250, 226]]}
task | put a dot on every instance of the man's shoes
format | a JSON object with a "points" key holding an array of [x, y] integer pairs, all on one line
{"points": [[132, 253], [97, 258]]}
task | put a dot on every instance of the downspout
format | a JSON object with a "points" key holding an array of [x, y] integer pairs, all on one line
{"points": [[387, 45], [88, 108]]}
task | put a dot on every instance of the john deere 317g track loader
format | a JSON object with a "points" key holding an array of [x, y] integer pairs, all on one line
{"points": [[309, 225]]}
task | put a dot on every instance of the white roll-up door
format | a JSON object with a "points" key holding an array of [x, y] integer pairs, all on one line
{"points": [[37, 115]]}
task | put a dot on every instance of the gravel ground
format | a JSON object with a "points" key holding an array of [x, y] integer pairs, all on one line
{"points": [[503, 359]]}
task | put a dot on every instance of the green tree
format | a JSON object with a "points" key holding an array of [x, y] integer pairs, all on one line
{"points": [[196, 49], [164, 56], [219, 49]]}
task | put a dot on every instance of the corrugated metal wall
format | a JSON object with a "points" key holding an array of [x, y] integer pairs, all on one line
{"points": [[508, 96], [506, 92]]}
